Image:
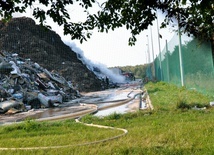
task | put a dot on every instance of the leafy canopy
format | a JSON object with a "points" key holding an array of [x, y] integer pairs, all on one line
{"points": [[196, 16]]}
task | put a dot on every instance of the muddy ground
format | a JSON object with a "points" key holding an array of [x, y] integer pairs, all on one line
{"points": [[89, 102]]}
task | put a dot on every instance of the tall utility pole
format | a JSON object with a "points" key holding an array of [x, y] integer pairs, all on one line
{"points": [[159, 47], [153, 57], [167, 61], [146, 55], [180, 53], [149, 60]]}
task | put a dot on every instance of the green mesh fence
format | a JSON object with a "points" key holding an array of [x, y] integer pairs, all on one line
{"points": [[197, 60]]}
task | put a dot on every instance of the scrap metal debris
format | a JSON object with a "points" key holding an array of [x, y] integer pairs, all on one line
{"points": [[25, 85]]}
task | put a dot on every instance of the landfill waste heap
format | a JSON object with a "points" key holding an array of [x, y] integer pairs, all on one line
{"points": [[37, 70], [45, 47], [26, 85]]}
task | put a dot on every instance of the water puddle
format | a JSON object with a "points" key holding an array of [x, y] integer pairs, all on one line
{"points": [[119, 110], [101, 99]]}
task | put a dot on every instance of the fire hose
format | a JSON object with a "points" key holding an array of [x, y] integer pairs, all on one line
{"points": [[78, 115]]}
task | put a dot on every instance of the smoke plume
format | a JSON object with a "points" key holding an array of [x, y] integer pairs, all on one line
{"points": [[100, 70]]}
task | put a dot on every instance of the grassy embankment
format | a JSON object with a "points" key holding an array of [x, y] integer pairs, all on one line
{"points": [[174, 127]]}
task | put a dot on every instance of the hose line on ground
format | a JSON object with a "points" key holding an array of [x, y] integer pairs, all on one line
{"points": [[93, 109], [82, 144]]}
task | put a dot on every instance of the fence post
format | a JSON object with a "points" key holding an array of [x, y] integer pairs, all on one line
{"points": [[180, 53], [167, 61], [159, 48]]}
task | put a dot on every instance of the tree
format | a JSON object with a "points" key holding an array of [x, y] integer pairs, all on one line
{"points": [[55, 9], [195, 16]]}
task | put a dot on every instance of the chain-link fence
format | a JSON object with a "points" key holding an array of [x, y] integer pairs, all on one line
{"points": [[190, 65]]}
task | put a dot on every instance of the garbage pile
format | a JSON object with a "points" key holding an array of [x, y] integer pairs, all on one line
{"points": [[23, 36], [25, 85]]}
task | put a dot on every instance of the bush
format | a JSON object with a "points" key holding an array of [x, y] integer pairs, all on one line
{"points": [[181, 104]]}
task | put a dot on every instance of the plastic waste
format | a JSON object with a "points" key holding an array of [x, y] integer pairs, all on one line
{"points": [[56, 77], [16, 69], [5, 68], [28, 83], [51, 85], [43, 99], [6, 105], [47, 100], [18, 96], [37, 65], [212, 103], [14, 55]]}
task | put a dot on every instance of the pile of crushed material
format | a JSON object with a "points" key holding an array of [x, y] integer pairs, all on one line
{"points": [[25, 85], [45, 47]]}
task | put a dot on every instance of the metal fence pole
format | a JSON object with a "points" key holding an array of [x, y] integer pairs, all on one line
{"points": [[159, 48], [167, 61], [180, 53]]}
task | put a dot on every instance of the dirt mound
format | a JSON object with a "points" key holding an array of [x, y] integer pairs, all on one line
{"points": [[28, 40]]}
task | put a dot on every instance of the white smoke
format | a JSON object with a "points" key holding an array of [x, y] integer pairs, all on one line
{"points": [[104, 71]]}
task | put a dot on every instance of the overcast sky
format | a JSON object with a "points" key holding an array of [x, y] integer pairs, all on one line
{"points": [[112, 48]]}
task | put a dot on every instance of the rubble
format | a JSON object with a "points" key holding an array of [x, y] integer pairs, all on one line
{"points": [[26, 85]]}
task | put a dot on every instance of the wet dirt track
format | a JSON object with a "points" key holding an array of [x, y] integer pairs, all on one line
{"points": [[105, 102]]}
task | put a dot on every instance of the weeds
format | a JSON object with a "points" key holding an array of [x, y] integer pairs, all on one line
{"points": [[114, 116], [181, 104]]}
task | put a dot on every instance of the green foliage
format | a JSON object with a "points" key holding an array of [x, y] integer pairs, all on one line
{"points": [[28, 125], [139, 71], [53, 9], [88, 118], [114, 116], [181, 104], [199, 12], [136, 16], [31, 125]]}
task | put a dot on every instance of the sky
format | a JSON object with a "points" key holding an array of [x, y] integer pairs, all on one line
{"points": [[112, 49]]}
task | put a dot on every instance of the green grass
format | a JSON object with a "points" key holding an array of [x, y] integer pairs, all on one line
{"points": [[169, 97], [40, 134], [170, 129]]}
